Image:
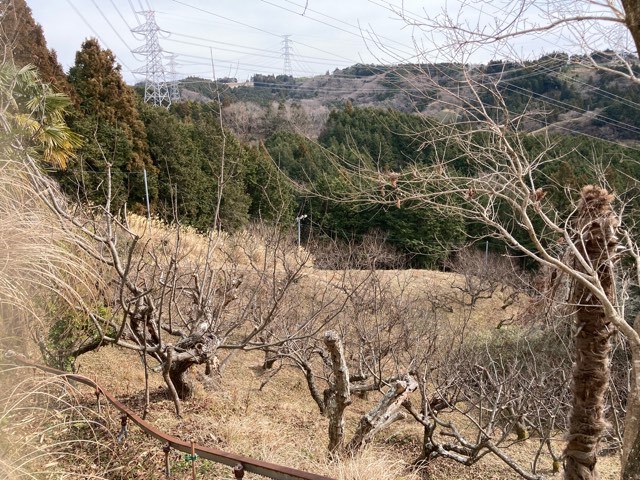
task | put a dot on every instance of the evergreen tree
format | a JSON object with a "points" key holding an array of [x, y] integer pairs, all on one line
{"points": [[300, 158], [272, 196], [185, 192], [106, 97], [109, 119], [372, 135], [387, 137], [189, 148], [24, 43]]}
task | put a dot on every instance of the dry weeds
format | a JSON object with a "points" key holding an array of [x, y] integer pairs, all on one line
{"points": [[281, 424], [50, 429], [39, 263]]}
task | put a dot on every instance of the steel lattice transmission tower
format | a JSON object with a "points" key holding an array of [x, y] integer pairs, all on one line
{"points": [[286, 53], [174, 89], [155, 85]]}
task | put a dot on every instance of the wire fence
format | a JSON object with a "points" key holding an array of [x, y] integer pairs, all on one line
{"points": [[239, 463]]}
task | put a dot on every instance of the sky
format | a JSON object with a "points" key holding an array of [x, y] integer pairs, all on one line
{"points": [[243, 36], [238, 38]]}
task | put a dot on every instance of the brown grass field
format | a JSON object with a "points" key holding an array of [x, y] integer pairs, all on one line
{"points": [[42, 419], [279, 423]]}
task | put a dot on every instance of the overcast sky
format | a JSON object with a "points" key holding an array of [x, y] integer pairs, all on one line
{"points": [[243, 36]]}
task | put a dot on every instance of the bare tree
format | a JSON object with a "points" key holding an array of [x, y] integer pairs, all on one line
{"points": [[585, 26], [592, 27], [253, 122], [180, 299], [486, 273], [340, 363], [487, 169]]}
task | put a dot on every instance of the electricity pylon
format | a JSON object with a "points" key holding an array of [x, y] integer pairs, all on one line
{"points": [[286, 53], [174, 90], [155, 84]]}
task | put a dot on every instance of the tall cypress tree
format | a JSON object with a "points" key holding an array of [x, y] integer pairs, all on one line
{"points": [[106, 97], [24, 43], [109, 119]]}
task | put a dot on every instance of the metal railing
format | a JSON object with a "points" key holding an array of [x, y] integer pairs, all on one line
{"points": [[239, 463]]}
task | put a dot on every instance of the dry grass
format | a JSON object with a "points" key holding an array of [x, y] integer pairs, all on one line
{"points": [[249, 248], [49, 429], [41, 418], [39, 262], [282, 425], [279, 423]]}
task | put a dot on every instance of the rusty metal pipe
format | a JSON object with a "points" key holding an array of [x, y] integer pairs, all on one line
{"points": [[259, 467]]}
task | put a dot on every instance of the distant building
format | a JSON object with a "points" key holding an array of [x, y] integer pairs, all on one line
{"points": [[232, 85]]}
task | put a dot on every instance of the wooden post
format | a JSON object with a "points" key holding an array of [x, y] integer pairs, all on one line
{"points": [[193, 460]]}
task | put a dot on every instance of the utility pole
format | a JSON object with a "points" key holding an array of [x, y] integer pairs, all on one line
{"points": [[174, 89], [299, 220], [486, 255], [286, 53], [155, 85]]}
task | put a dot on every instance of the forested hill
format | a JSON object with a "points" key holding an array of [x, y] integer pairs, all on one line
{"points": [[221, 165], [572, 95]]}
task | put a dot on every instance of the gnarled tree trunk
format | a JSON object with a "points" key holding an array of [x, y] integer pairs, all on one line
{"points": [[631, 444], [338, 395], [196, 349], [384, 413], [596, 242]]}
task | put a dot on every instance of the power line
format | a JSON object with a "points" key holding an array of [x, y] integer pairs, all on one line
{"points": [[357, 34], [274, 68], [506, 84], [276, 54], [226, 18], [96, 34], [301, 68], [559, 103], [357, 27], [277, 50], [120, 14], [106, 19], [135, 12], [209, 12]]}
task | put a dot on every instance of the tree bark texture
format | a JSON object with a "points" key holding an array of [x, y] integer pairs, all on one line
{"points": [[196, 349], [384, 413], [596, 242], [166, 369], [180, 379], [632, 19], [631, 441], [338, 395]]}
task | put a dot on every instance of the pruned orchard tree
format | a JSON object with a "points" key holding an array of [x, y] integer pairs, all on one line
{"points": [[357, 356], [394, 341], [177, 298], [180, 299], [486, 165]]}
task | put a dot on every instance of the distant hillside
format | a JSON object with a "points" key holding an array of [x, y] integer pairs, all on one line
{"points": [[571, 95]]}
